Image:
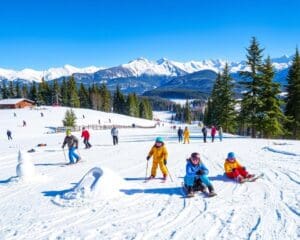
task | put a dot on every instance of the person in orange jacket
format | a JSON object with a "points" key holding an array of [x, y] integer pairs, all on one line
{"points": [[234, 170], [186, 135], [160, 156]]}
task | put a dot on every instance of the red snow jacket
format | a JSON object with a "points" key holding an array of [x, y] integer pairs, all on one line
{"points": [[85, 134], [213, 131]]}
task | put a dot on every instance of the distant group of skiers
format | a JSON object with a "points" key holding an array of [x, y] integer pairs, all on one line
{"points": [[72, 142], [213, 133], [185, 134]]}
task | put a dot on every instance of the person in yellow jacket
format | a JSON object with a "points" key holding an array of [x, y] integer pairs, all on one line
{"points": [[186, 135], [234, 170], [160, 156]]}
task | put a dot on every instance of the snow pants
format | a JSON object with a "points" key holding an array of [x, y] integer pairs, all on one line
{"points": [[190, 181], [237, 172], [73, 155], [161, 165], [115, 140], [86, 143], [186, 140]]}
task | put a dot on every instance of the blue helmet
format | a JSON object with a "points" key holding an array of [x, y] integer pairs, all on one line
{"points": [[159, 139], [231, 155]]}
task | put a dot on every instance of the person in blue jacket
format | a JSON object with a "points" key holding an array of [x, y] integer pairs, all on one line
{"points": [[196, 178]]}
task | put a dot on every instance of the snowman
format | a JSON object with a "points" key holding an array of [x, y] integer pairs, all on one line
{"points": [[25, 168]]}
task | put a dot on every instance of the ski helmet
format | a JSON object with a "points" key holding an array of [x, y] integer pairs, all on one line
{"points": [[68, 132], [159, 139], [231, 155]]}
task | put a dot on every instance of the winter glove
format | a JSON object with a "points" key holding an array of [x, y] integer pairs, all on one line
{"points": [[244, 168], [148, 157], [165, 161], [234, 169], [200, 172]]}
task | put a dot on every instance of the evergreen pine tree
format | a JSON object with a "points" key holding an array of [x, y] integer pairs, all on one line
{"points": [[292, 110], [251, 98], [73, 93], [64, 93], [187, 112], [105, 98], [33, 92], [270, 116], [132, 105], [214, 108], [18, 90], [95, 98], [70, 119], [83, 97], [4, 91], [24, 91], [226, 114], [55, 93], [119, 105], [44, 93], [11, 90]]}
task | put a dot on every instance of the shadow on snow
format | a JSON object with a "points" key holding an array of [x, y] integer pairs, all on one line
{"points": [[166, 191]]}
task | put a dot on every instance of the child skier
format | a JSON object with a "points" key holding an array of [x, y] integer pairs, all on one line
{"points": [[196, 178], [234, 169], [186, 135], [72, 142], [160, 156]]}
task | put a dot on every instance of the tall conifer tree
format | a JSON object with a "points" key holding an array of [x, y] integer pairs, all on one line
{"points": [[292, 110], [252, 82]]}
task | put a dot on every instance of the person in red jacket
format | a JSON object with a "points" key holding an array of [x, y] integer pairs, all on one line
{"points": [[213, 133], [86, 137]]}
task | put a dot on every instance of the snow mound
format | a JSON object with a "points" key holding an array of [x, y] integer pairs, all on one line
{"points": [[97, 182], [25, 168]]}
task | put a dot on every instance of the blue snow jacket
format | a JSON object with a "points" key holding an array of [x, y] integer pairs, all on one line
{"points": [[191, 175], [191, 169]]}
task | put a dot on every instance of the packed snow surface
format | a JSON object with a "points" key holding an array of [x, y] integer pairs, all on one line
{"points": [[105, 196]]}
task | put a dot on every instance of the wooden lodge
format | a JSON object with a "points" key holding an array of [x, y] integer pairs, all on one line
{"points": [[11, 103]]}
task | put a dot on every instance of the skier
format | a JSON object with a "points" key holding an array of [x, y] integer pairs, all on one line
{"points": [[220, 130], [115, 132], [86, 136], [234, 169], [8, 132], [179, 133], [186, 135], [72, 142], [213, 133], [160, 156], [196, 176], [24, 123], [204, 132]]}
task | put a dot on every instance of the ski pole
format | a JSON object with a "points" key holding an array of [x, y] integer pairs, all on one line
{"points": [[146, 170], [64, 154], [169, 173]]}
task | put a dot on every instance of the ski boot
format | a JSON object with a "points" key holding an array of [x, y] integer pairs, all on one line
{"points": [[211, 191]]}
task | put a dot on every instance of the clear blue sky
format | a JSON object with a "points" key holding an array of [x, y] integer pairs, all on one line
{"points": [[50, 33]]}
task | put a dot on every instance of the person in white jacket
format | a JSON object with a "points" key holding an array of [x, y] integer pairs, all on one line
{"points": [[115, 132]]}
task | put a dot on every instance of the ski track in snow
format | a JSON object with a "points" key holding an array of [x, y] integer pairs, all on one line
{"points": [[265, 209]]}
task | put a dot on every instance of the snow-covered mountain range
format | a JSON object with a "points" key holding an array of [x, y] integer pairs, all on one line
{"points": [[49, 74], [136, 68]]}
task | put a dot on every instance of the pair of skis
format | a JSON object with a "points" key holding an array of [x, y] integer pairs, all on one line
{"points": [[163, 180], [192, 194], [252, 179]]}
